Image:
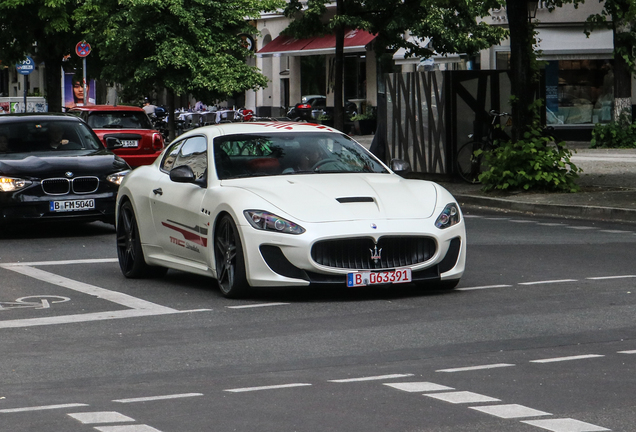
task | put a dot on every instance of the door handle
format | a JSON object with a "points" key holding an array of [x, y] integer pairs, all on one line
{"points": [[157, 191]]}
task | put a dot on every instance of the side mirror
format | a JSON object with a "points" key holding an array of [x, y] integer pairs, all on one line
{"points": [[184, 174], [400, 166], [113, 143]]}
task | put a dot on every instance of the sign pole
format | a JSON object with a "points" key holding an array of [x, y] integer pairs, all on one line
{"points": [[83, 49], [25, 67], [85, 90], [26, 83]]}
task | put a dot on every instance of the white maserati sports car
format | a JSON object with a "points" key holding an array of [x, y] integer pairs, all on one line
{"points": [[277, 204]]}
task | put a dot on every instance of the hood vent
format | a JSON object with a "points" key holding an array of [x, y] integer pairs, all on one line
{"points": [[346, 200]]}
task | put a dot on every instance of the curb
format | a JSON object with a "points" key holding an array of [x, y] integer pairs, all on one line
{"points": [[561, 210]]}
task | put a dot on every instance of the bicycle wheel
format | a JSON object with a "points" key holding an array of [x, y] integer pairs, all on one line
{"points": [[469, 165]]}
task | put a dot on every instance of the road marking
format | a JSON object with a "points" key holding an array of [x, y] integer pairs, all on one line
{"points": [[273, 387], [129, 428], [564, 425], [459, 397], [581, 227], [100, 417], [611, 277], [560, 359], [418, 387], [551, 224], [155, 398], [64, 262], [616, 231], [482, 287], [548, 282], [627, 352], [371, 378], [467, 216], [256, 305], [43, 407], [510, 411], [112, 296], [520, 221], [472, 368]]}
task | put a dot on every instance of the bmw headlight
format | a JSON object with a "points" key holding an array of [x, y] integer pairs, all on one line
{"points": [[12, 184], [117, 177], [448, 217], [266, 221]]}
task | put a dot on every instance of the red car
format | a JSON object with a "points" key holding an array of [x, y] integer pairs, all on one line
{"points": [[126, 130]]}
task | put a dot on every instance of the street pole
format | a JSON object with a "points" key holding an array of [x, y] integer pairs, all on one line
{"points": [[85, 90], [26, 84]]}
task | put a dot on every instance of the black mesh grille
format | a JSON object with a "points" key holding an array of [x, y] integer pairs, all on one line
{"points": [[83, 185], [359, 253], [58, 186]]}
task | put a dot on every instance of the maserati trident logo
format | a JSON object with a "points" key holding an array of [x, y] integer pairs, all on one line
{"points": [[376, 254], [68, 174]]}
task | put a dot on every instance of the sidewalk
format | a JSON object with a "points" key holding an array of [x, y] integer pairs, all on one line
{"points": [[608, 189]]}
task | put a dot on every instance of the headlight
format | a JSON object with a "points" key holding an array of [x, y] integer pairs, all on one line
{"points": [[10, 184], [448, 217], [266, 221], [117, 177]]}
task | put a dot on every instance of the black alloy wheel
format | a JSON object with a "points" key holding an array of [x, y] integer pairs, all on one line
{"points": [[229, 259], [129, 252]]}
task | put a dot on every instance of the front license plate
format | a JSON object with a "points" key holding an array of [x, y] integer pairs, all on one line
{"points": [[72, 205], [129, 143], [402, 275]]}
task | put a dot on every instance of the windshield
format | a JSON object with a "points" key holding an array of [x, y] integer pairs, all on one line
{"points": [[119, 120], [291, 153], [46, 135]]}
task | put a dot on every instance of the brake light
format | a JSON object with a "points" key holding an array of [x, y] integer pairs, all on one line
{"points": [[304, 106], [157, 141]]}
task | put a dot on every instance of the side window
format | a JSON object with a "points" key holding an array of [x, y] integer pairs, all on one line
{"points": [[192, 152]]}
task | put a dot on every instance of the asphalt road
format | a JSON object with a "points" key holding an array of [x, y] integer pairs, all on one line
{"points": [[540, 335]]}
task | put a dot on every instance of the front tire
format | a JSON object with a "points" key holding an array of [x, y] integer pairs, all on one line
{"points": [[129, 252], [229, 259]]}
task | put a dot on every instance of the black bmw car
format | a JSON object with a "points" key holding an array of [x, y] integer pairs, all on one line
{"points": [[53, 167]]}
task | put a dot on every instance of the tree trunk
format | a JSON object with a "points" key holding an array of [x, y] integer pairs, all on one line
{"points": [[521, 74], [622, 75], [53, 78], [338, 111]]}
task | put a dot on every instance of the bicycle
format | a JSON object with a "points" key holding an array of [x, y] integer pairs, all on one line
{"points": [[471, 157]]}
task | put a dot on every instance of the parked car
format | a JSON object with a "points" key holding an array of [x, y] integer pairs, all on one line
{"points": [[53, 167], [126, 130], [265, 204], [313, 106]]}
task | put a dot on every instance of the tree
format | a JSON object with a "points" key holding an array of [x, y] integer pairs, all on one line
{"points": [[186, 46], [44, 30], [452, 25]]}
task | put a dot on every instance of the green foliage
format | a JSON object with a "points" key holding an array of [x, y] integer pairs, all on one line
{"points": [[533, 163], [619, 134], [369, 115]]}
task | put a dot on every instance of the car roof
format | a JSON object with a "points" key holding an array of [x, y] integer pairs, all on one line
{"points": [[259, 127], [107, 108], [29, 117]]}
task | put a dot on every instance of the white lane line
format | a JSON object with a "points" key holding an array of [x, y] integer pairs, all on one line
{"points": [[497, 218], [89, 317], [459, 397], [418, 387], [256, 305], [101, 417], [272, 387], [371, 378], [156, 398], [551, 224], [617, 231], [611, 277], [581, 227], [627, 352], [473, 368], [510, 411], [64, 262], [129, 428], [564, 425], [41, 408], [520, 221], [102, 293], [548, 282], [472, 216], [482, 287], [560, 359]]}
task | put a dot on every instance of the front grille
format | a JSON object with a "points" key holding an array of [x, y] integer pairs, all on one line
{"points": [[62, 186], [363, 253]]}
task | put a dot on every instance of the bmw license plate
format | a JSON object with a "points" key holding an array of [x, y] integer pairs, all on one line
{"points": [[402, 275], [72, 205], [129, 143]]}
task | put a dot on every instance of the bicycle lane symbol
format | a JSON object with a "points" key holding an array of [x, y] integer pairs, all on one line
{"points": [[35, 302]]}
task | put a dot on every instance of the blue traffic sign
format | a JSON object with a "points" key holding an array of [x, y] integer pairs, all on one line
{"points": [[25, 67]]}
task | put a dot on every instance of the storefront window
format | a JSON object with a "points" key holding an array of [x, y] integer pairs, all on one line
{"points": [[579, 91]]}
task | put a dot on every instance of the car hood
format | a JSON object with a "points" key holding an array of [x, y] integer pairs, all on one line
{"points": [[53, 164], [342, 197]]}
